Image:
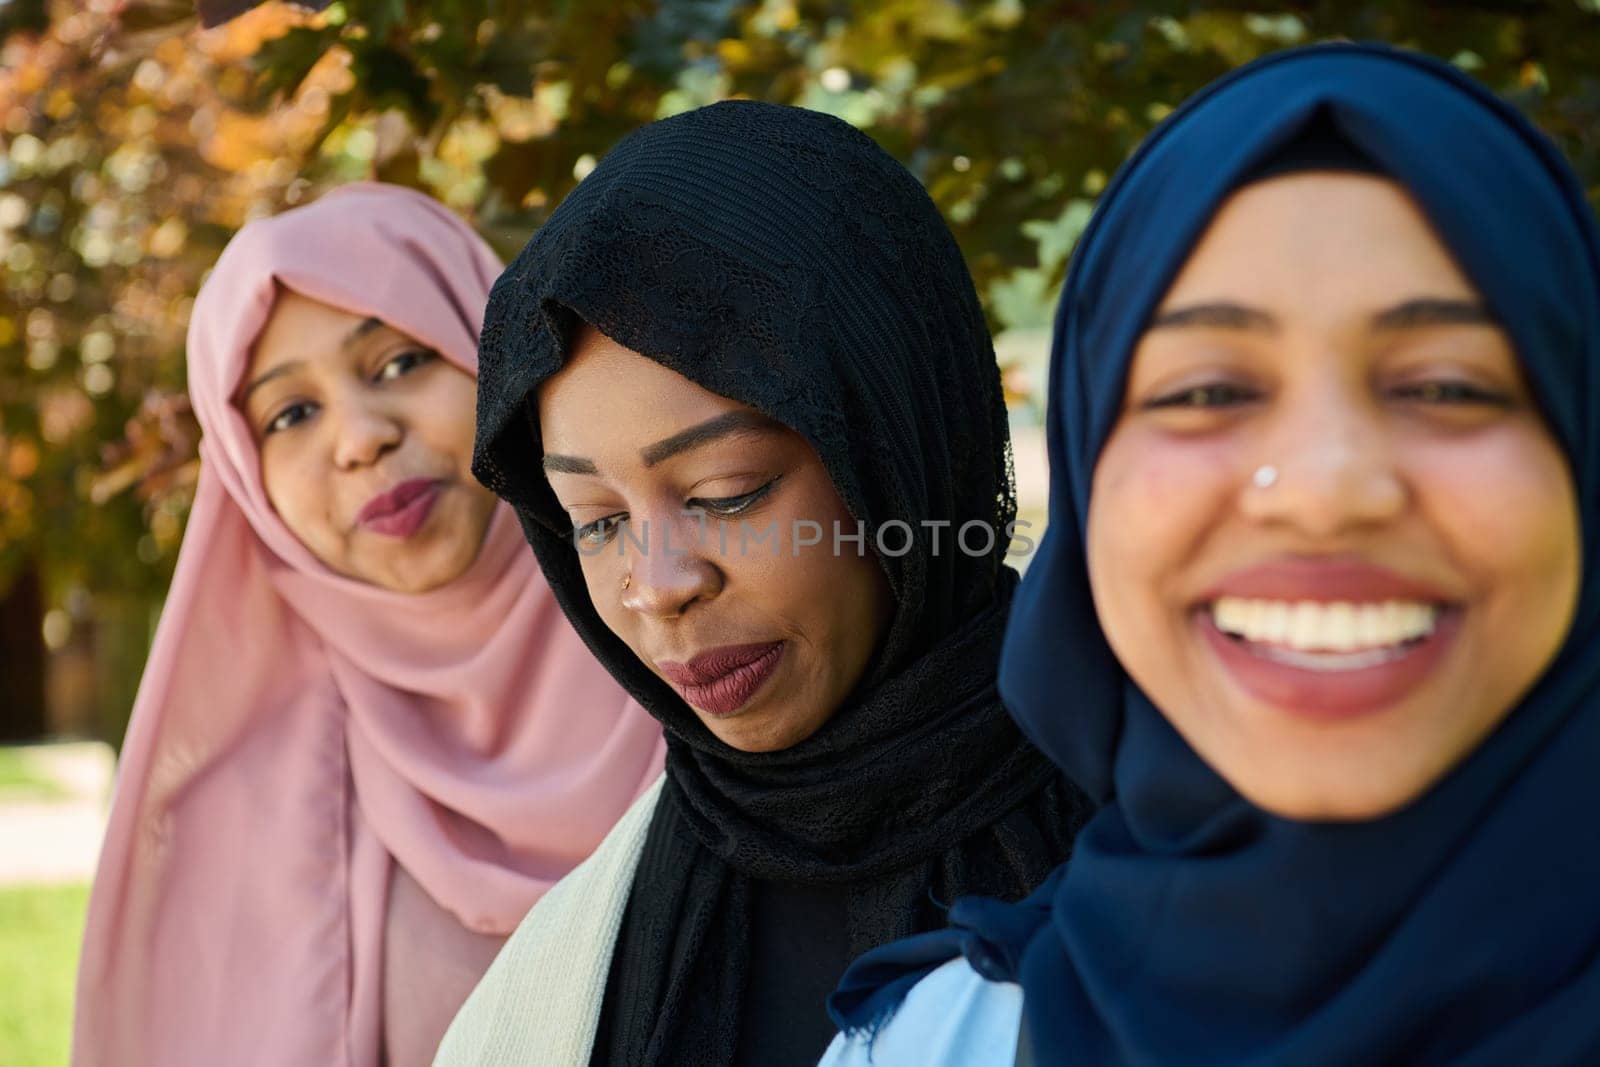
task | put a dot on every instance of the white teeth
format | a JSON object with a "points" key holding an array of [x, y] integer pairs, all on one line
{"points": [[1332, 661], [1305, 625], [1313, 626]]}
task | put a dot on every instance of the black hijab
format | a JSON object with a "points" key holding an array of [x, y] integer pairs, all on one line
{"points": [[778, 257]]}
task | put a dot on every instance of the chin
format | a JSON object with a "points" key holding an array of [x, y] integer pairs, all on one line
{"points": [[747, 732], [744, 738], [425, 574], [1306, 769], [1347, 800]]}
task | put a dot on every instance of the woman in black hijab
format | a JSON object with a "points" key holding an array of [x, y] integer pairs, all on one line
{"points": [[750, 323]]}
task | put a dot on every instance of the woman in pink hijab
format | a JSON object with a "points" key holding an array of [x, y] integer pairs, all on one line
{"points": [[367, 739]]}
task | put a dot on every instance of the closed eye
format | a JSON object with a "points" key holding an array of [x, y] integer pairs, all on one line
{"points": [[596, 533], [729, 506], [599, 531], [1217, 395], [1453, 394]]}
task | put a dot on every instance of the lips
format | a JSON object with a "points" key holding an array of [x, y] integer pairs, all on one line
{"points": [[401, 511], [722, 680], [1325, 580], [1328, 639]]}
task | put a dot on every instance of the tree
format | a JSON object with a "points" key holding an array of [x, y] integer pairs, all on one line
{"points": [[133, 143]]}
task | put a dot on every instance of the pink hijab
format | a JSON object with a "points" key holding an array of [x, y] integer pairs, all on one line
{"points": [[296, 732]]}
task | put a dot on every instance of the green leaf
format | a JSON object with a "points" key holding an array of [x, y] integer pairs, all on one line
{"points": [[387, 78], [284, 62]]}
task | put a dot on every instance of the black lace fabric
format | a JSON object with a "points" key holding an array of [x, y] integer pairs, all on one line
{"points": [[778, 257]]}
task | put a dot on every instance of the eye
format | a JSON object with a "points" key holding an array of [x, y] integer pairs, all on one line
{"points": [[1452, 394], [596, 533], [290, 416], [405, 363], [1213, 395], [729, 506]]}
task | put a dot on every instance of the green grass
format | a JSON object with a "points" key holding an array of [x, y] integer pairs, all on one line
{"points": [[21, 777], [40, 928]]}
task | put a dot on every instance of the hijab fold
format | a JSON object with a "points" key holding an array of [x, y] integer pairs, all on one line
{"points": [[297, 732], [1191, 926], [778, 257]]}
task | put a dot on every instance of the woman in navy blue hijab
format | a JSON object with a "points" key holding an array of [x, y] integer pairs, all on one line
{"points": [[1314, 618]]}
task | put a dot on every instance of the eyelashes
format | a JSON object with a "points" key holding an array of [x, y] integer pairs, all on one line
{"points": [[1454, 393], [391, 369], [601, 530], [1445, 393], [1202, 396], [729, 506], [406, 361], [289, 417]]}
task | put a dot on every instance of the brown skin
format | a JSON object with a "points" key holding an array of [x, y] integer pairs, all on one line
{"points": [[608, 406], [1387, 453], [348, 408]]}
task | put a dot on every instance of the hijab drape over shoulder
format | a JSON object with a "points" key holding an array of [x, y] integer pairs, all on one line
{"points": [[778, 257], [1191, 926], [297, 731]]}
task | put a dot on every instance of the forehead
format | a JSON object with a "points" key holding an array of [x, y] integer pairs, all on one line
{"points": [[304, 329], [608, 398], [1319, 238]]}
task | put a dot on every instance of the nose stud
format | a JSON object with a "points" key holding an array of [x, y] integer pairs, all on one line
{"points": [[1265, 477]]}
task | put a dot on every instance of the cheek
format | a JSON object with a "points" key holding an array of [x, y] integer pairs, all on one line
{"points": [[841, 627], [481, 504], [444, 416], [1152, 503], [603, 580], [295, 488], [1505, 509], [445, 412]]}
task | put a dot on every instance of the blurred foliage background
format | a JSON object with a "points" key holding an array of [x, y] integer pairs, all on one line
{"points": [[137, 135]]}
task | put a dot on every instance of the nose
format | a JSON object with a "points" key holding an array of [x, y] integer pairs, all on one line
{"points": [[667, 567], [364, 433], [1335, 469]]}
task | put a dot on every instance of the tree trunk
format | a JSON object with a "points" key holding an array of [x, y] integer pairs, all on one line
{"points": [[22, 703]]}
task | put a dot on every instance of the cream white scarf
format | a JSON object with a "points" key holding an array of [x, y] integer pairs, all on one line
{"points": [[539, 1003]]}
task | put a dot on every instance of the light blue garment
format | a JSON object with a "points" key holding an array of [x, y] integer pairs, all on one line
{"points": [[952, 1018]]}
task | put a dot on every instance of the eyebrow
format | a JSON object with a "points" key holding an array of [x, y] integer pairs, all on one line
{"points": [[361, 330], [713, 429], [1411, 314], [1217, 314], [276, 372], [556, 463], [1433, 311]]}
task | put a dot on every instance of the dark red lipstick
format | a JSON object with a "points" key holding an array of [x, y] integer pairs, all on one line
{"points": [[401, 511], [720, 681]]}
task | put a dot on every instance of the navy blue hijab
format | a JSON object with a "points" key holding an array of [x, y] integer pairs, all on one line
{"points": [[1191, 926]]}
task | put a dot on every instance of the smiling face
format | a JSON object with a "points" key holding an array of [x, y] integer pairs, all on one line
{"points": [[692, 514], [1334, 633], [366, 445]]}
